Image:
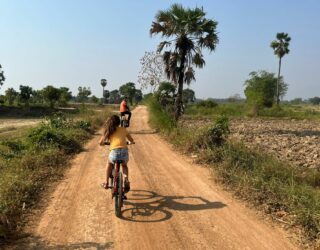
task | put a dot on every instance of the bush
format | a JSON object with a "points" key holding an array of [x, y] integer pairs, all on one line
{"points": [[207, 104], [215, 135]]}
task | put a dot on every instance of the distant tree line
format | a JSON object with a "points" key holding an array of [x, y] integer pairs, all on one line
{"points": [[51, 96]]}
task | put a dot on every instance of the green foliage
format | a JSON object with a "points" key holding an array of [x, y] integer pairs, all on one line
{"points": [[138, 96], [207, 104], [159, 117], [128, 90], [165, 96], [65, 96], [213, 136], [315, 100], [51, 95], [188, 96], [10, 95], [114, 97], [83, 94], [261, 88], [94, 99], [25, 94]]}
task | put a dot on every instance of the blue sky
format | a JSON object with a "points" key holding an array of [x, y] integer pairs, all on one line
{"points": [[77, 42]]}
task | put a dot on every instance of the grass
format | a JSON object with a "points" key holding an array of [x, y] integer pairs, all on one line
{"points": [[276, 187], [37, 157]]}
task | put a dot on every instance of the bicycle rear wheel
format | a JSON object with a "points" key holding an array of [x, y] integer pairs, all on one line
{"points": [[118, 197]]}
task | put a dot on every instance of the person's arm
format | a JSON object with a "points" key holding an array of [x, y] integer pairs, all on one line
{"points": [[102, 139], [129, 137]]}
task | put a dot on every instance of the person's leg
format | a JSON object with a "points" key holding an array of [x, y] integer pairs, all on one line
{"points": [[126, 177], [108, 172], [125, 171]]}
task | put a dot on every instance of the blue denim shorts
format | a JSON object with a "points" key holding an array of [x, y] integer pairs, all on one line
{"points": [[119, 154]]}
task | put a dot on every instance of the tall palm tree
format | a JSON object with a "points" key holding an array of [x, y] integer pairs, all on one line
{"points": [[188, 32], [280, 48], [103, 84]]}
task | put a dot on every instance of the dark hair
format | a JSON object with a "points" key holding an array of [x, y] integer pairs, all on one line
{"points": [[111, 125]]}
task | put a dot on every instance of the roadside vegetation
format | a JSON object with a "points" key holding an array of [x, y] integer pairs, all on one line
{"points": [[288, 194], [36, 157]]}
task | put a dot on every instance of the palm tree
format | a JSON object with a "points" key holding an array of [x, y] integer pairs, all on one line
{"points": [[189, 32], [280, 48], [103, 84]]}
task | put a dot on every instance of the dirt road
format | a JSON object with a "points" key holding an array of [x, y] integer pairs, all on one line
{"points": [[173, 205]]}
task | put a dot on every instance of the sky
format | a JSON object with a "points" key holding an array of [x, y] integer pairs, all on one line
{"points": [[76, 43]]}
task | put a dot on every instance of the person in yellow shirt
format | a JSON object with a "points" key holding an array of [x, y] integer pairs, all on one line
{"points": [[117, 137]]}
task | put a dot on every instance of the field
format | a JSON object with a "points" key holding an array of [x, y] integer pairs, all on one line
{"points": [[296, 141]]}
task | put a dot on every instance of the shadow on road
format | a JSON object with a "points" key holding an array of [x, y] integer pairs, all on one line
{"points": [[148, 206], [36, 243]]}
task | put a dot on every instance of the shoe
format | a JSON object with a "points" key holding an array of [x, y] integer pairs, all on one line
{"points": [[126, 186]]}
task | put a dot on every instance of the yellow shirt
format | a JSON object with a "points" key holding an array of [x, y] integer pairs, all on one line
{"points": [[118, 138]]}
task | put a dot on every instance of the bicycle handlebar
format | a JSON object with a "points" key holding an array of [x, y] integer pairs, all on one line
{"points": [[128, 143]]}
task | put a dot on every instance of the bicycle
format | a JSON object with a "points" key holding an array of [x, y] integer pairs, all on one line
{"points": [[117, 187], [124, 121]]}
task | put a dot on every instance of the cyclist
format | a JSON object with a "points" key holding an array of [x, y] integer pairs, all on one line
{"points": [[118, 148], [124, 109]]}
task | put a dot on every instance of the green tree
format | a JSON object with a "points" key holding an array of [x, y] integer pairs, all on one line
{"points": [[165, 95], [188, 96], [188, 32], [65, 96], [51, 95], [261, 88], [2, 78], [138, 96], [106, 95], [11, 95], [94, 99], [25, 94], [128, 90], [83, 94], [315, 100], [37, 97], [114, 96], [280, 48]]}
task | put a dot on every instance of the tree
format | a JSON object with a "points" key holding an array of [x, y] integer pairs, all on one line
{"points": [[188, 96], [83, 94], [315, 100], [234, 98], [138, 96], [103, 84], [261, 88], [114, 97], [106, 95], [10, 95], [165, 95], [37, 96], [128, 90], [94, 99], [2, 78], [51, 95], [280, 48], [152, 70], [65, 96], [25, 94], [189, 32], [297, 100]]}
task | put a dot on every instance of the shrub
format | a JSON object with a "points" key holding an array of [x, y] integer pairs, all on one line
{"points": [[207, 104]]}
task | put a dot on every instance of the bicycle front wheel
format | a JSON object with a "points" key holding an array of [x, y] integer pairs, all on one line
{"points": [[118, 198]]}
